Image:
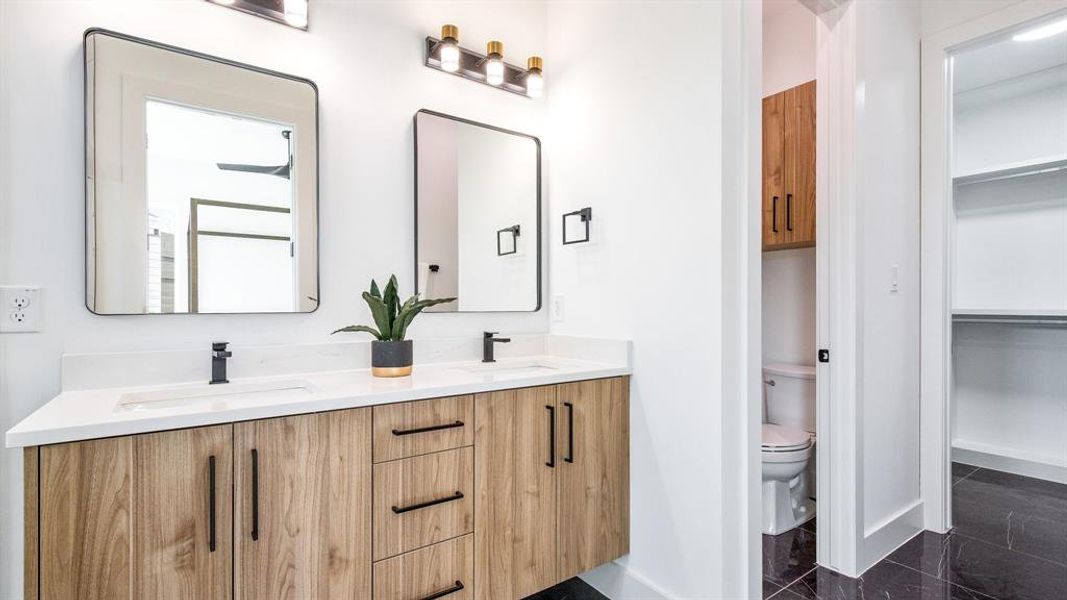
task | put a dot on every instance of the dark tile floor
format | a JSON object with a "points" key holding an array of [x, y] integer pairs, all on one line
{"points": [[1009, 543]]}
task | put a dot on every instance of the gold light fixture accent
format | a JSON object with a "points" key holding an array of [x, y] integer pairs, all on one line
{"points": [[450, 48], [494, 64], [535, 82]]}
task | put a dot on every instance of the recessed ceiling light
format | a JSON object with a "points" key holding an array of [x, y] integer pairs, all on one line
{"points": [[1041, 32]]}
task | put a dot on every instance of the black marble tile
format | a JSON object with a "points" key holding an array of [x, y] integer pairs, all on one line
{"points": [[770, 588], [810, 526], [788, 556], [1032, 497], [1002, 523], [884, 581], [572, 589], [1026, 485], [961, 471], [983, 567]]}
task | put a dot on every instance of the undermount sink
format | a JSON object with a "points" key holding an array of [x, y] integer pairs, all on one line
{"points": [[510, 367], [192, 393]]}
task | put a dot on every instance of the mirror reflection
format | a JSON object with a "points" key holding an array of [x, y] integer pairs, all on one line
{"points": [[202, 183], [478, 197]]}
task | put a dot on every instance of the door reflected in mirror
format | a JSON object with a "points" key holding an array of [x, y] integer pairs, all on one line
{"points": [[478, 215], [202, 183]]}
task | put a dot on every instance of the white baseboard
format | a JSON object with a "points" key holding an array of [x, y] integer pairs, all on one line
{"points": [[617, 582], [1011, 461], [880, 540]]}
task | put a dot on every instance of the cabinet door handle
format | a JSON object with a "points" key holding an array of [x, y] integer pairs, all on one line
{"points": [[426, 429], [789, 212], [774, 214], [452, 590], [456, 496], [551, 436], [570, 432], [255, 494], [211, 502]]}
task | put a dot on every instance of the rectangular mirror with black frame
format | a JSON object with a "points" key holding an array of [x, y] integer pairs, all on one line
{"points": [[201, 183], [477, 215]]}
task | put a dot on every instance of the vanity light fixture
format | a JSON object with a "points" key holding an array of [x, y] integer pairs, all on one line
{"points": [[293, 13], [494, 62], [584, 215], [296, 13], [449, 48], [447, 55], [535, 81]]}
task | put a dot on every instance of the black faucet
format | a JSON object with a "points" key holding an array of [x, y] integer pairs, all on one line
{"points": [[487, 345], [219, 354]]}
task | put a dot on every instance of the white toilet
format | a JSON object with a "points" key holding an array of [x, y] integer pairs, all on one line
{"points": [[788, 449]]}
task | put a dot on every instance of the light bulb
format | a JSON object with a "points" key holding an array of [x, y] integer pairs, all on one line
{"points": [[494, 66], [535, 80], [450, 48], [296, 13], [1041, 32], [224, 2]]}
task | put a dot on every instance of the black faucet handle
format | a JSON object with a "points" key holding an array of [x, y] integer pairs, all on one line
{"points": [[489, 334], [219, 346]]}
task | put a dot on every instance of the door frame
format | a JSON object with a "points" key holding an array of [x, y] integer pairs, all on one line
{"points": [[937, 226]]}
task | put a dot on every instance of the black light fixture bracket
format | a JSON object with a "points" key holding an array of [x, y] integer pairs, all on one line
{"points": [[585, 215], [471, 66]]}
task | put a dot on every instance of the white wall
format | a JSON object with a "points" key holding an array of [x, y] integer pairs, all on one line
{"points": [[887, 208], [936, 15], [636, 119], [438, 210], [367, 61], [789, 60]]}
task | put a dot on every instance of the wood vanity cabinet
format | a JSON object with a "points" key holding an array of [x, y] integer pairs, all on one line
{"points": [[789, 168], [552, 484], [495, 496]]}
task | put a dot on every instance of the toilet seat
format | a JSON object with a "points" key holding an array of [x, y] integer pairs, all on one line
{"points": [[777, 438]]}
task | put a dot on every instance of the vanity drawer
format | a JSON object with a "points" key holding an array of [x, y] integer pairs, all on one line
{"points": [[445, 568], [422, 427], [422, 500]]}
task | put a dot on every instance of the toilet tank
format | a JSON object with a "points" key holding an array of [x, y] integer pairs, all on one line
{"points": [[790, 391]]}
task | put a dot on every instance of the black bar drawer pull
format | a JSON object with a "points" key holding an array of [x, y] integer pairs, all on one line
{"points": [[456, 496], [789, 212], [452, 590], [774, 214], [570, 433], [551, 436], [425, 429], [255, 494], [211, 502]]}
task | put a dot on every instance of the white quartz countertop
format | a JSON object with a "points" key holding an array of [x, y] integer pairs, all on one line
{"points": [[97, 413]]}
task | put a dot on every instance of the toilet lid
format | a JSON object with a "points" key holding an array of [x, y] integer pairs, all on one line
{"points": [[778, 437]]}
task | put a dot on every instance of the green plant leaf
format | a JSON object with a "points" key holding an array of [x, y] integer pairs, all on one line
{"points": [[380, 314], [359, 329], [391, 300], [411, 311], [374, 289]]}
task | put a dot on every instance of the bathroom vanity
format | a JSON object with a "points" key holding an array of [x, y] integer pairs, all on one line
{"points": [[467, 480]]}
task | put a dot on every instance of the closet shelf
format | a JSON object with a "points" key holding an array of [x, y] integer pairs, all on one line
{"points": [[1010, 315], [1009, 170]]}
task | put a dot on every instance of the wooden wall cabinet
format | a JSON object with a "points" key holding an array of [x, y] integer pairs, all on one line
{"points": [[495, 496], [789, 168]]}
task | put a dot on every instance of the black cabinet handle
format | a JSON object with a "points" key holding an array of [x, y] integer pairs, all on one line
{"points": [[255, 494], [425, 429], [211, 502], [570, 433], [452, 498], [443, 593], [551, 436], [789, 212], [774, 214]]}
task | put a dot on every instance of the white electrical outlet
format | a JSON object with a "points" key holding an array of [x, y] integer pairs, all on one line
{"points": [[557, 308], [21, 308]]}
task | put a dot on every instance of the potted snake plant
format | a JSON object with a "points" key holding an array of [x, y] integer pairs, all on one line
{"points": [[391, 354]]}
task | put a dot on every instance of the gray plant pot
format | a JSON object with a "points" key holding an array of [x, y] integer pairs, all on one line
{"points": [[391, 358]]}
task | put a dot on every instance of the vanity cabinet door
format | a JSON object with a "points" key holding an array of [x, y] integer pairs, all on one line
{"points": [[137, 516], [773, 171], [515, 478], [800, 165], [594, 485], [302, 507]]}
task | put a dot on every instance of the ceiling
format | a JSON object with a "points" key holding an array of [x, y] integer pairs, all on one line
{"points": [[1002, 58]]}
